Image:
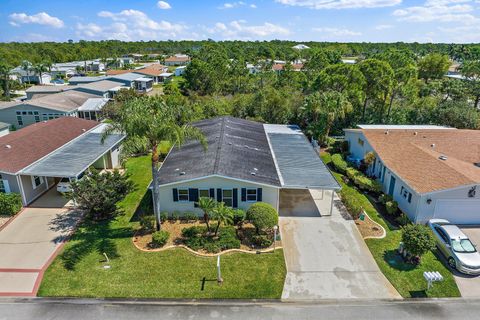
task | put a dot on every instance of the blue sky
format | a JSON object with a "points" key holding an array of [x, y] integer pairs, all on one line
{"points": [[301, 20]]}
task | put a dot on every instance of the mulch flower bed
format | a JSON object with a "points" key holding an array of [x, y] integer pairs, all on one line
{"points": [[369, 228], [143, 238]]}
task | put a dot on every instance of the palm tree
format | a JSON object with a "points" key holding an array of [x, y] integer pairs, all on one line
{"points": [[5, 76], [27, 66], [206, 205], [222, 214], [39, 69], [147, 121]]}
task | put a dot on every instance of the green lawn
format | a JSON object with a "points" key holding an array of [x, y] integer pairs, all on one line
{"points": [[406, 278], [78, 270]]}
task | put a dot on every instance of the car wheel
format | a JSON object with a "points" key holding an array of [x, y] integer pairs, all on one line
{"points": [[452, 263]]}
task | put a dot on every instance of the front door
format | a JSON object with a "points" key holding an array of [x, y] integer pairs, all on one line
{"points": [[392, 185]]}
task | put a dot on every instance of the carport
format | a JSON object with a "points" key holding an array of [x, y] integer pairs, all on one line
{"points": [[306, 181], [71, 160]]}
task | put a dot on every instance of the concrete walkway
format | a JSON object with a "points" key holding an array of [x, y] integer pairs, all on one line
{"points": [[29, 243], [326, 256]]}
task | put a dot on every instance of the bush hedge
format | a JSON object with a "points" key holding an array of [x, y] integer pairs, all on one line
{"points": [[147, 223], [262, 240], [351, 204], [362, 181], [262, 215], [159, 238], [10, 203], [391, 207], [239, 217], [339, 164], [196, 238], [417, 239]]}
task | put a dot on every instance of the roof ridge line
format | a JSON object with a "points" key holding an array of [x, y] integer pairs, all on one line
{"points": [[219, 147]]}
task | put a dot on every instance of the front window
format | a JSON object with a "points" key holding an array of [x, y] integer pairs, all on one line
{"points": [[36, 181], [204, 193], [463, 246], [251, 195], [183, 195], [2, 185], [227, 196]]}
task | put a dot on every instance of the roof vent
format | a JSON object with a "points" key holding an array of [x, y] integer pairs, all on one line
{"points": [[182, 173], [255, 169], [386, 132], [415, 133], [8, 146], [477, 164], [442, 157], [253, 173], [432, 145], [84, 130]]}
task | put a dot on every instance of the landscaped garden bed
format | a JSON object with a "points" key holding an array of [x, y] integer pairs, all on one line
{"points": [[406, 277]]}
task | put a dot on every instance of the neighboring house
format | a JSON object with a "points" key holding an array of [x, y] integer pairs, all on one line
{"points": [[253, 69], [92, 108], [85, 80], [432, 172], [34, 159], [301, 47], [245, 162], [103, 88], [4, 129], [30, 77], [40, 91], [114, 72], [96, 66], [177, 60], [62, 71], [126, 60], [22, 114], [153, 71], [179, 71], [127, 79]]}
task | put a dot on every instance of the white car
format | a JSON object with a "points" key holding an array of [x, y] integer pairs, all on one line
{"points": [[64, 185], [460, 252]]}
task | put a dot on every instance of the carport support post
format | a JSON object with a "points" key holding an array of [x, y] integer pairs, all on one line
{"points": [[331, 203]]}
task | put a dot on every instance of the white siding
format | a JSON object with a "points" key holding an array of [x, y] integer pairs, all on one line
{"points": [[269, 194], [355, 147]]}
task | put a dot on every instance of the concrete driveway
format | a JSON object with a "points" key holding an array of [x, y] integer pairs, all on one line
{"points": [[326, 256], [469, 286], [30, 242]]}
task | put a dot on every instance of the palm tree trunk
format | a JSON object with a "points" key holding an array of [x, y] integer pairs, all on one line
{"points": [[155, 162], [390, 105], [364, 109], [7, 89], [216, 229], [205, 217]]}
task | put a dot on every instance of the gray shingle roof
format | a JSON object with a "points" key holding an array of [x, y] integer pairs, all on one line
{"points": [[236, 148], [66, 101]]}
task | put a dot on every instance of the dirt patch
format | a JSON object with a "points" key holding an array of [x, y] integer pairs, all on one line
{"points": [[369, 228], [4, 219], [143, 239]]}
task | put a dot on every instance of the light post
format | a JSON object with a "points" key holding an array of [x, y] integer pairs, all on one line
{"points": [[275, 228]]}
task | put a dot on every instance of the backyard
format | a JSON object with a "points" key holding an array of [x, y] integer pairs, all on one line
{"points": [[406, 278], [79, 271]]}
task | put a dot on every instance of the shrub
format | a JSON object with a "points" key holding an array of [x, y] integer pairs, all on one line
{"points": [[403, 219], [351, 204], [147, 223], [175, 216], [211, 247], [193, 231], [365, 183], [190, 216], [262, 241], [417, 239], [262, 215], [239, 217], [197, 238], [369, 159], [351, 173], [10, 203], [163, 216], [392, 207], [339, 164], [384, 198], [159, 238]]}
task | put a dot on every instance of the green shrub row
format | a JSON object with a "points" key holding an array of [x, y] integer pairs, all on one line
{"points": [[10, 203], [351, 204], [197, 238], [339, 164], [362, 181]]}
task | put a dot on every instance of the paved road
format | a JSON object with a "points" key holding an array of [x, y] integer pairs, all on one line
{"points": [[326, 256], [117, 310], [28, 243]]}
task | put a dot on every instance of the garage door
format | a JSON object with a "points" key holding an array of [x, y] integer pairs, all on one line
{"points": [[458, 211]]}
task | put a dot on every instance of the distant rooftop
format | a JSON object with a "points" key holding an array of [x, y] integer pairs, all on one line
{"points": [[405, 127]]}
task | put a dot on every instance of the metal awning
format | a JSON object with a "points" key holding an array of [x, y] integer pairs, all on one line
{"points": [[298, 164], [75, 157], [93, 104]]}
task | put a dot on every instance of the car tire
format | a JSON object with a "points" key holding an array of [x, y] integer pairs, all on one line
{"points": [[452, 263]]}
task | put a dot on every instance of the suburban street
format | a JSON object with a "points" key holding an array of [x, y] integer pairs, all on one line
{"points": [[77, 309]]}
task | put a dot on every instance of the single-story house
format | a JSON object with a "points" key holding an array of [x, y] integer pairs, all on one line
{"points": [[177, 60], [101, 88], [127, 79], [34, 159], [92, 108], [62, 71], [179, 71], [153, 71], [22, 114], [85, 80], [4, 129], [39, 91], [245, 162], [432, 172], [30, 76]]}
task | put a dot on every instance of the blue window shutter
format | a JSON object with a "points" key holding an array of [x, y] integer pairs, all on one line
{"points": [[175, 195], [235, 198], [244, 194], [219, 195], [212, 193], [193, 195], [259, 194]]}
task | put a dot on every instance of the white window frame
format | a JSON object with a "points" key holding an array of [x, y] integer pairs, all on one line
{"points": [[34, 183], [188, 195], [230, 198], [256, 194], [200, 191]]}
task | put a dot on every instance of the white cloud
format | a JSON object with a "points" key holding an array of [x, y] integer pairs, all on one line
{"points": [[237, 4], [439, 10], [43, 18], [337, 32], [239, 29], [130, 25], [340, 4], [383, 27], [163, 5]]}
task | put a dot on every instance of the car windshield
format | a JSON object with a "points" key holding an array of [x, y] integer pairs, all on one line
{"points": [[463, 245]]}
